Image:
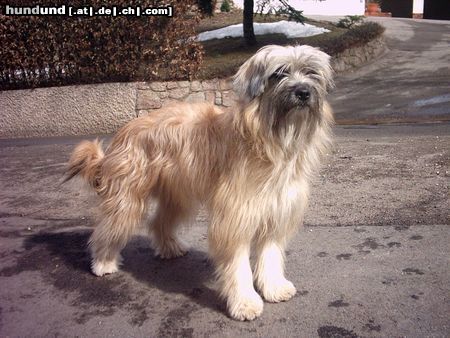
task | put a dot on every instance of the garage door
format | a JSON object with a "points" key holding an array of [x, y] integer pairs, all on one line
{"points": [[436, 9], [398, 8]]}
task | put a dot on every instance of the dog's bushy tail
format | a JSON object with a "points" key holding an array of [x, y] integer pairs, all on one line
{"points": [[85, 161]]}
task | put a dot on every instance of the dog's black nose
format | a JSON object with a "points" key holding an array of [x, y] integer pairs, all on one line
{"points": [[302, 93]]}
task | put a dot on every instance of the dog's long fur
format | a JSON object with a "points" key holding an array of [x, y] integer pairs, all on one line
{"points": [[251, 168]]}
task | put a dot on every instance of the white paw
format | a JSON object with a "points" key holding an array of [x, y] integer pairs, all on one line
{"points": [[100, 268], [170, 249], [246, 307], [280, 291]]}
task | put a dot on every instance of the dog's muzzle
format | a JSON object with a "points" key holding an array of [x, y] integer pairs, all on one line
{"points": [[302, 93]]}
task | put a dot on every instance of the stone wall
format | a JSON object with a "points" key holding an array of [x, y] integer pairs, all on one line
{"points": [[103, 108], [355, 57], [155, 95], [68, 110]]}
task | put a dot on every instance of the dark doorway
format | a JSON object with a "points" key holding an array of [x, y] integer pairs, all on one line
{"points": [[398, 8], [436, 9]]}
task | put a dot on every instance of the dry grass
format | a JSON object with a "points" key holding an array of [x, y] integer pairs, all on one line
{"points": [[223, 57]]}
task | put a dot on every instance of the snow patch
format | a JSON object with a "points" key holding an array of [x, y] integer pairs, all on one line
{"points": [[290, 29]]}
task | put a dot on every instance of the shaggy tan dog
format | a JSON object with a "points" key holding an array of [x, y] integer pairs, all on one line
{"points": [[251, 168]]}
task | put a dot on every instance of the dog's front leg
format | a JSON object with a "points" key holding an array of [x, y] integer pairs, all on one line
{"points": [[269, 272], [236, 281]]}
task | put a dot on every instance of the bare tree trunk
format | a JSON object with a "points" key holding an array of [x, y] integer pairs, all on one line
{"points": [[249, 34]]}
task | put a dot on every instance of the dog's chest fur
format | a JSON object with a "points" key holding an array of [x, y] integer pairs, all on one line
{"points": [[288, 183], [281, 197]]}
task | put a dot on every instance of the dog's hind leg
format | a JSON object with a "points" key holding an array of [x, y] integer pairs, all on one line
{"points": [[162, 227], [120, 216], [269, 272]]}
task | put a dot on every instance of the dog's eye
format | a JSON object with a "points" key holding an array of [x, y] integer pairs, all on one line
{"points": [[279, 74], [311, 72]]}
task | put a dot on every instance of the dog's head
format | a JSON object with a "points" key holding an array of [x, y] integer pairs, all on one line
{"points": [[286, 80]]}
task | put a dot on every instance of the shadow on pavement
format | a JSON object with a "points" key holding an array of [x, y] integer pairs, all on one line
{"points": [[64, 261]]}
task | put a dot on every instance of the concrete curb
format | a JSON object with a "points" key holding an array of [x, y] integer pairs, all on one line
{"points": [[103, 108]]}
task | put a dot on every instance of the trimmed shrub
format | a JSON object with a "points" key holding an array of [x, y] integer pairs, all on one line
{"points": [[356, 36], [61, 50], [225, 7], [350, 21]]}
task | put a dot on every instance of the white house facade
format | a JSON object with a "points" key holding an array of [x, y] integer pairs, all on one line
{"points": [[418, 7], [322, 7], [338, 7]]}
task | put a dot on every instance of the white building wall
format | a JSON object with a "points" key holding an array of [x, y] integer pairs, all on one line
{"points": [[323, 7], [418, 6]]}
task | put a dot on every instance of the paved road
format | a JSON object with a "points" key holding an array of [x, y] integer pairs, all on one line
{"points": [[411, 82], [372, 260]]}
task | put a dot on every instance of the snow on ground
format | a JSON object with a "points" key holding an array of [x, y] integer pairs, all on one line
{"points": [[290, 29]]}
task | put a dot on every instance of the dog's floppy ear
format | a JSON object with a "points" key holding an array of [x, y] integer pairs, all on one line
{"points": [[251, 80], [327, 70], [323, 63]]}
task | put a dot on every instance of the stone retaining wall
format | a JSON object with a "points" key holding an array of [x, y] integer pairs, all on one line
{"points": [[355, 57], [150, 96], [103, 108]]}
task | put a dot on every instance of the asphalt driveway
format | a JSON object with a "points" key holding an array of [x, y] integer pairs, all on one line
{"points": [[372, 260], [410, 83]]}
